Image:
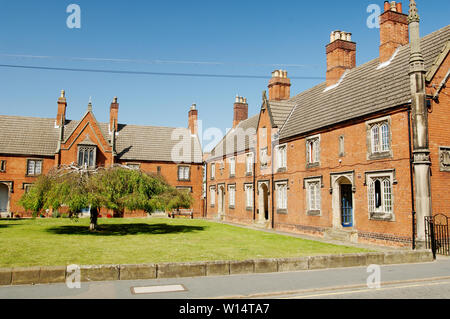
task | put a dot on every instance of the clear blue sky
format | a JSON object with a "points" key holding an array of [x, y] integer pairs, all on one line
{"points": [[236, 37]]}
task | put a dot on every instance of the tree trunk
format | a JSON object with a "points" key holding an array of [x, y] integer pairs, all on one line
{"points": [[94, 216]]}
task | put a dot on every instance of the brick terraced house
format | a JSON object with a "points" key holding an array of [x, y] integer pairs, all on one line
{"points": [[350, 158], [30, 147]]}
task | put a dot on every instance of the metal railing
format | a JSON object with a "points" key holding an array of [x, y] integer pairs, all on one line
{"points": [[437, 234]]}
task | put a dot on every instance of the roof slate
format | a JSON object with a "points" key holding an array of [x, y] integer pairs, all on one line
{"points": [[39, 137], [363, 90], [238, 139]]}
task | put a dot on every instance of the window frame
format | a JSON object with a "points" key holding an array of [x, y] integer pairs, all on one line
{"points": [[3, 166], [35, 160], [232, 164], [248, 190], [315, 141], [212, 196], [88, 148], [247, 162], [184, 179], [281, 161], [318, 181], [231, 191], [281, 197], [377, 142], [381, 213], [213, 171]]}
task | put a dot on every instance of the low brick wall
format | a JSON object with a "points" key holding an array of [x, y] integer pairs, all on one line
{"points": [[46, 275]]}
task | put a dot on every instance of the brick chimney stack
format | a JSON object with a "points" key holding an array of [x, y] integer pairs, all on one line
{"points": [[341, 56], [240, 110], [279, 86], [114, 115], [62, 105], [193, 118], [393, 29]]}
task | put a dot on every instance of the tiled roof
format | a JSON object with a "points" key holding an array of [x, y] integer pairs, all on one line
{"points": [[238, 139], [280, 111], [152, 143], [364, 90], [28, 136], [39, 137]]}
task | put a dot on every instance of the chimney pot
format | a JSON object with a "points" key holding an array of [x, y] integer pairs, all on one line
{"points": [[341, 56], [387, 6], [114, 115], [192, 119], [62, 106], [240, 110], [394, 31], [279, 86]]}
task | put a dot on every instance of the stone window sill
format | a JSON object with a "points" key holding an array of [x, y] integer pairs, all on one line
{"points": [[282, 211], [382, 216], [381, 155], [281, 170], [313, 213], [312, 165], [249, 208], [231, 207]]}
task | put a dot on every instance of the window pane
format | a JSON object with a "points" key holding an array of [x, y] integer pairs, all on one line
{"points": [[91, 158], [31, 167], [38, 169], [375, 139], [186, 173], [387, 196], [316, 151], [371, 196], [377, 194], [385, 137]]}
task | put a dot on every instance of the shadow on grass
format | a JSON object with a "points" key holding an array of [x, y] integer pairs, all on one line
{"points": [[7, 225], [125, 229]]}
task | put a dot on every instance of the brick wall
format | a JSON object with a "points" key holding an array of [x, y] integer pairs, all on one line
{"points": [[439, 136]]}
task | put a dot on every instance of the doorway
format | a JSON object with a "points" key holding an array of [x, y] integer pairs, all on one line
{"points": [[4, 198], [346, 205], [221, 202], [263, 209]]}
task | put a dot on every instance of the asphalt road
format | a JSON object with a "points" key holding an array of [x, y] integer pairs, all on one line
{"points": [[411, 281]]}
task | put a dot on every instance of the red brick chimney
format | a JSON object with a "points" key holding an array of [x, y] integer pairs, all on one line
{"points": [[279, 86], [341, 55], [393, 29], [193, 117], [240, 110], [62, 105], [114, 115]]}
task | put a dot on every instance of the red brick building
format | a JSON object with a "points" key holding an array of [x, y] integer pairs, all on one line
{"points": [[30, 147], [350, 158]]}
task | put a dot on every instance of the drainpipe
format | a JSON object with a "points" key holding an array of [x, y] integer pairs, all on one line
{"points": [[411, 161], [254, 186], [272, 187], [205, 211]]}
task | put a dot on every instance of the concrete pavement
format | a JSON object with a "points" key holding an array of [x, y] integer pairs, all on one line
{"points": [[421, 280]]}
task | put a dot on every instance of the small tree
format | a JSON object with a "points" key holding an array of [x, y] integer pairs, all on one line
{"points": [[34, 200], [180, 199], [116, 188]]}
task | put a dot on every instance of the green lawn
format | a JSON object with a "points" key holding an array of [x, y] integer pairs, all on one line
{"points": [[45, 242]]}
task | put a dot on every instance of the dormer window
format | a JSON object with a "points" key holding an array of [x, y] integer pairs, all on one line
{"points": [[87, 156]]}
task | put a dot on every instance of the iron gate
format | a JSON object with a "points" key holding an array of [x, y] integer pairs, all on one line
{"points": [[437, 234]]}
